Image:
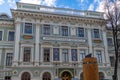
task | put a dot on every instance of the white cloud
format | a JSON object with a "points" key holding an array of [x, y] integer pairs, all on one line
{"points": [[1, 2], [12, 3], [41, 2], [91, 7], [101, 6]]}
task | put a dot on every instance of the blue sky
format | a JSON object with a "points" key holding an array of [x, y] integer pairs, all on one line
{"points": [[93, 5]]}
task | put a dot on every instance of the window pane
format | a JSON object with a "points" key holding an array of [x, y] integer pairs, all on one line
{"points": [[109, 40], [74, 54], [9, 57], [99, 56], [28, 28], [56, 54], [80, 32], [112, 60], [27, 53], [0, 35], [46, 30], [96, 33], [82, 54], [46, 55], [11, 36], [64, 31], [65, 57]]}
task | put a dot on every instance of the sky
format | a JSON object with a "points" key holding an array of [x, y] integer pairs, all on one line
{"points": [[92, 5]]}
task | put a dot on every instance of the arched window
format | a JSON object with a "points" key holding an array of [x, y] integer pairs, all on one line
{"points": [[26, 76], [101, 76], [46, 76], [81, 76]]}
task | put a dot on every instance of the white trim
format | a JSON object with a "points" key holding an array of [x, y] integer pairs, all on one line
{"points": [[99, 33]]}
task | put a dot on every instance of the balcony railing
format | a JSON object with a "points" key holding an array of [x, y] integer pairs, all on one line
{"points": [[63, 11]]}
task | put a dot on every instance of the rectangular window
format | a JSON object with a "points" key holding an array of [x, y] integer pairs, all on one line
{"points": [[80, 32], [56, 54], [7, 77], [99, 56], [74, 54], [11, 36], [96, 33], [82, 54], [109, 41], [28, 28], [9, 58], [112, 60], [27, 53], [46, 55], [46, 29], [65, 57], [64, 30], [1, 35]]}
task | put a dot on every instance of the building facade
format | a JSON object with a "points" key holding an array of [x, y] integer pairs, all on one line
{"points": [[47, 43]]}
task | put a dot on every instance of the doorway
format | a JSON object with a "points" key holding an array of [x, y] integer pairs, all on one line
{"points": [[66, 75]]}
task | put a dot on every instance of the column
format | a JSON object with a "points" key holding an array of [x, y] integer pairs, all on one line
{"points": [[106, 48], [69, 54], [37, 39], [90, 50], [16, 47]]}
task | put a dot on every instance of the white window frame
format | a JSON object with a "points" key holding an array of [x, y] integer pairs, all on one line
{"points": [[97, 56], [8, 34], [79, 54], [112, 41], [24, 29]]}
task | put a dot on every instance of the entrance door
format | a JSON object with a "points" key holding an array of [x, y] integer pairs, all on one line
{"points": [[66, 76]]}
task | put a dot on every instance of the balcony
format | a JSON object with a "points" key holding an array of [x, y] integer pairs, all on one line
{"points": [[62, 11]]}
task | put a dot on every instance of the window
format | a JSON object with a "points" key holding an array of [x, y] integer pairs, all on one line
{"points": [[1, 35], [46, 76], [9, 57], [27, 53], [26, 76], [65, 57], [109, 41], [7, 77], [101, 76], [80, 32], [11, 36], [46, 30], [82, 54], [112, 60], [64, 30], [46, 55], [99, 56], [56, 54], [96, 33], [28, 28], [74, 54]]}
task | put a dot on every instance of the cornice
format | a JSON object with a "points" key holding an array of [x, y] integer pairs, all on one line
{"points": [[6, 24], [57, 17]]}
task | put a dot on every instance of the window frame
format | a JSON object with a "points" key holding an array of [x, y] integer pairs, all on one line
{"points": [[74, 55], [83, 54], [46, 55], [111, 44], [25, 26], [79, 28], [8, 59], [95, 34], [63, 29], [99, 56], [8, 35], [43, 28], [2, 34], [24, 60], [66, 55], [58, 54]]}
